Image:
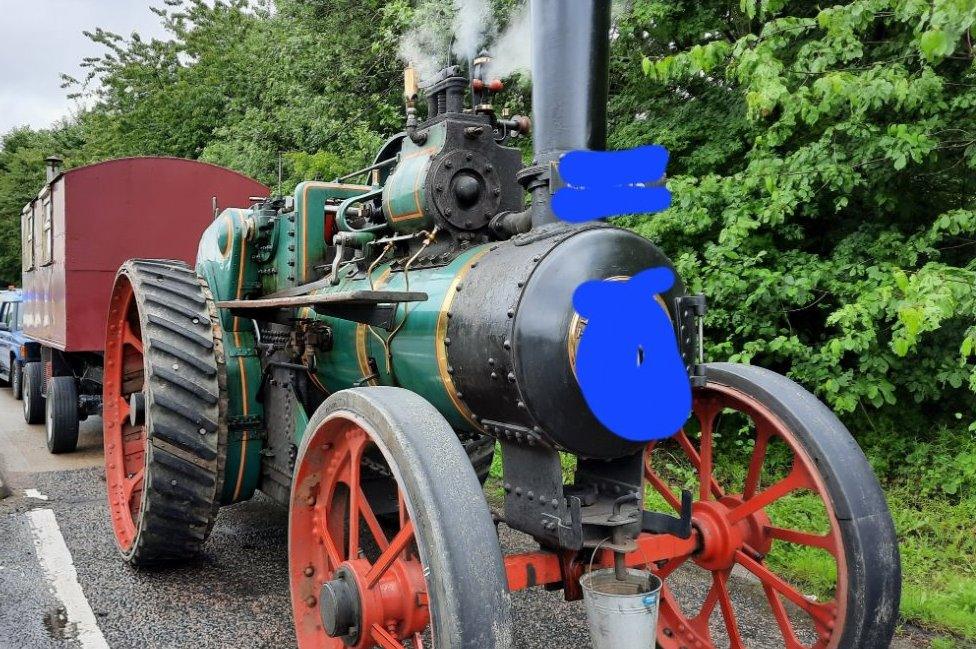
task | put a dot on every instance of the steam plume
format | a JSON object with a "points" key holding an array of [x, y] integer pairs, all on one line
{"points": [[512, 50], [464, 28]]}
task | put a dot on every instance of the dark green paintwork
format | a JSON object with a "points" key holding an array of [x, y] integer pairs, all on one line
{"points": [[404, 193], [224, 261], [234, 249]]}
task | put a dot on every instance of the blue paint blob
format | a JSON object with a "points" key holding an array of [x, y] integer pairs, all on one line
{"points": [[578, 205], [645, 164], [628, 364], [611, 183]]}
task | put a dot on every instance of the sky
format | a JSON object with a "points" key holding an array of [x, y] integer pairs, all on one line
{"points": [[43, 38]]}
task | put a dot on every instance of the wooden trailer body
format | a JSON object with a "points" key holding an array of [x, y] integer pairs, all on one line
{"points": [[76, 234], [89, 220]]}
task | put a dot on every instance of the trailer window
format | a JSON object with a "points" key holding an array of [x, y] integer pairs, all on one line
{"points": [[47, 236], [28, 238]]}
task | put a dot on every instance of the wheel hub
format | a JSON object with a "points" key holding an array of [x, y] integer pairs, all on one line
{"points": [[397, 602], [340, 608], [721, 538]]}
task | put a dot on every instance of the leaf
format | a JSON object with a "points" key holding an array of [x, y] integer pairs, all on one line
{"points": [[968, 343], [900, 345], [647, 66], [901, 280], [912, 318], [934, 44]]}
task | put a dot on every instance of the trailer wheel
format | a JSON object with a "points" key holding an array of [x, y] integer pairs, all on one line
{"points": [[17, 379], [801, 488], [61, 415], [438, 574], [33, 394], [163, 424]]}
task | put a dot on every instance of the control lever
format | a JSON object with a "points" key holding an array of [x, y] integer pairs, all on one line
{"points": [[658, 523]]}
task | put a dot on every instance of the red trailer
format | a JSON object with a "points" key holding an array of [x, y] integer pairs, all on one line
{"points": [[75, 235]]}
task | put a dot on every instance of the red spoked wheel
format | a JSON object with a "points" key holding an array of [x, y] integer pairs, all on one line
{"points": [[125, 442], [162, 432], [431, 577], [795, 535]]}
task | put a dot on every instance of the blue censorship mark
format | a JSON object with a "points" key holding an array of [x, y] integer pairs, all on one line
{"points": [[629, 368], [609, 168], [609, 183]]}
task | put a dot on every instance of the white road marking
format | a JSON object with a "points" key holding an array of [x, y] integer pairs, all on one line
{"points": [[35, 494], [58, 567]]}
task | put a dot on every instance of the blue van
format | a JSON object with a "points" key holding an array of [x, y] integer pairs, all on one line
{"points": [[13, 343]]}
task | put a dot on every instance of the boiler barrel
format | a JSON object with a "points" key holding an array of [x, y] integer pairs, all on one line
{"points": [[493, 346]]}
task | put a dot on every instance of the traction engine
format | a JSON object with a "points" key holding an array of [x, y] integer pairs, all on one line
{"points": [[359, 351]]}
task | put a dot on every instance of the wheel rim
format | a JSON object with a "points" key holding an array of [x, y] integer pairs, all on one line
{"points": [[736, 529], [125, 443], [333, 575]]}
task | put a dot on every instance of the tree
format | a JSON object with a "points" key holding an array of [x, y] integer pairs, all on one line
{"points": [[827, 206], [22, 153]]}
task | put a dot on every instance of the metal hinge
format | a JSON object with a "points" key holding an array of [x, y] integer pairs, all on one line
{"points": [[691, 310]]}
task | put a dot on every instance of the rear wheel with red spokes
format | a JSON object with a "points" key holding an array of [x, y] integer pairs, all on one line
{"points": [[430, 576], [795, 535], [162, 431]]}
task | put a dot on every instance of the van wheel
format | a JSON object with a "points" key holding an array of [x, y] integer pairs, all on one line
{"points": [[17, 379], [61, 420], [33, 375]]}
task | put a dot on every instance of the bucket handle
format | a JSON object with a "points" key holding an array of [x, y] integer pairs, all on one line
{"points": [[647, 561]]}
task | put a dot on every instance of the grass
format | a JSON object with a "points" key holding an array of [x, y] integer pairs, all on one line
{"points": [[937, 539]]}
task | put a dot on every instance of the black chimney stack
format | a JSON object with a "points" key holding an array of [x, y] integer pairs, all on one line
{"points": [[570, 62], [570, 78]]}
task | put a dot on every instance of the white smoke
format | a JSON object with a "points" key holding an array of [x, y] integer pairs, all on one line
{"points": [[420, 49], [474, 27], [465, 28], [427, 45], [512, 50]]}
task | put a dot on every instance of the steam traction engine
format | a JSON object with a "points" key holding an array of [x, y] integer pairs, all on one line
{"points": [[356, 351]]}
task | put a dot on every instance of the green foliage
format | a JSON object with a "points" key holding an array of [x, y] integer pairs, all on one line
{"points": [[836, 238], [937, 543], [943, 643]]}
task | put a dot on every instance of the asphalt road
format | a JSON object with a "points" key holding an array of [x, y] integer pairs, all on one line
{"points": [[80, 593]]}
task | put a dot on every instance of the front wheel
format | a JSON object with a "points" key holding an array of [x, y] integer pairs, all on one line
{"points": [[435, 577], [17, 380], [795, 532]]}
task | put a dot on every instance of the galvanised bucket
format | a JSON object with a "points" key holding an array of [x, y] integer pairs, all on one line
{"points": [[621, 614]]}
